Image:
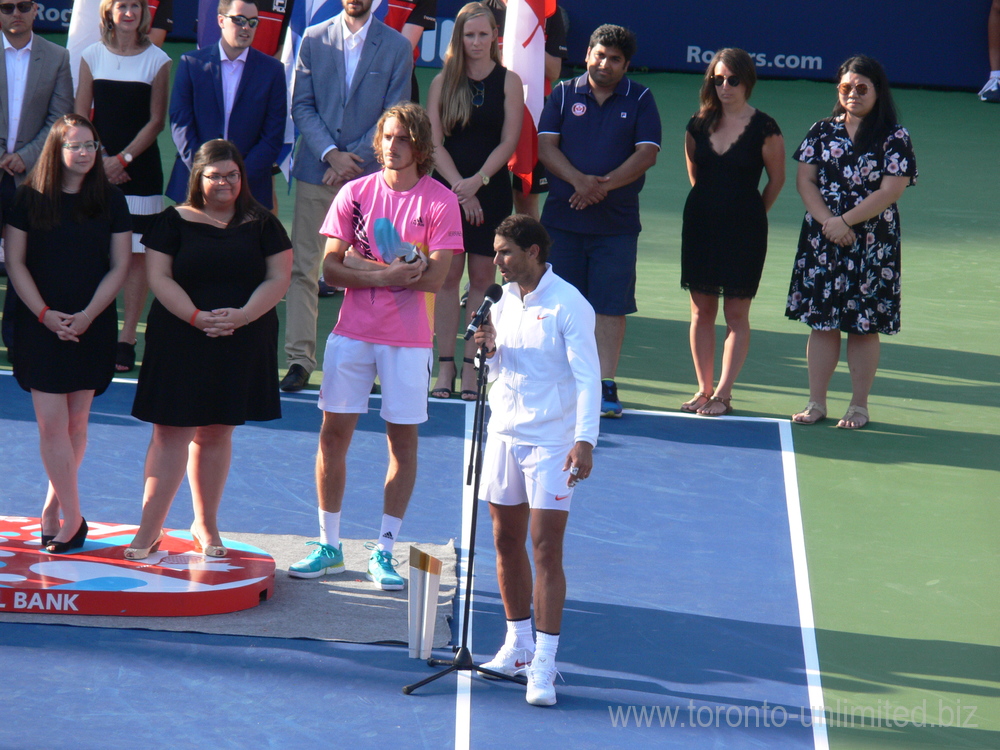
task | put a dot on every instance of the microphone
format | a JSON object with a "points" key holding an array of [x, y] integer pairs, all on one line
{"points": [[493, 295]]}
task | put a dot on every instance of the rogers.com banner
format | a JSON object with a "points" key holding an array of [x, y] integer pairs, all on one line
{"points": [[923, 42], [53, 16], [920, 42]]}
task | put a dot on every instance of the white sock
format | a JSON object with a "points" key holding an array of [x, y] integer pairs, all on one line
{"points": [[519, 635], [389, 533], [329, 528], [995, 74], [546, 645]]}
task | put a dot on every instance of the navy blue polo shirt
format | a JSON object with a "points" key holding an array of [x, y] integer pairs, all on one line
{"points": [[596, 139]]}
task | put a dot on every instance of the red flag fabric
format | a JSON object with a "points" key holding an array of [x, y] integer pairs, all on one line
{"points": [[524, 53]]}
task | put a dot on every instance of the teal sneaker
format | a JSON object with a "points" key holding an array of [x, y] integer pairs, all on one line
{"points": [[381, 570], [610, 405], [321, 561]]}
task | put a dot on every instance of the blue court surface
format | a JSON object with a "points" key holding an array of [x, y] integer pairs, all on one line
{"points": [[688, 620]]}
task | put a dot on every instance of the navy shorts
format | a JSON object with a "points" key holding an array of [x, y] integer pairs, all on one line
{"points": [[601, 266]]}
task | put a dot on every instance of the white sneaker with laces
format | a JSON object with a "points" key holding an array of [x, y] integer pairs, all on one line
{"points": [[541, 681], [508, 661]]}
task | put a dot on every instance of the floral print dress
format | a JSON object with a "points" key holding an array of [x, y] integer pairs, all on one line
{"points": [[854, 288]]}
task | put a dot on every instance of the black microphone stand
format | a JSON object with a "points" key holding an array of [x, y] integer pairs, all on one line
{"points": [[463, 657]]}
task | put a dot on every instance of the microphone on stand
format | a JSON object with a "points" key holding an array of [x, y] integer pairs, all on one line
{"points": [[493, 295]]}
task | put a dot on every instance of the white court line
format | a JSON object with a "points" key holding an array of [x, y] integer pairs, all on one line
{"points": [[463, 684], [806, 623]]}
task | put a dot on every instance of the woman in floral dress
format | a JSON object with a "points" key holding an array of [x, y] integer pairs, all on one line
{"points": [[853, 168]]}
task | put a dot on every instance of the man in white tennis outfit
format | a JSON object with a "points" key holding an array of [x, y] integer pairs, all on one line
{"points": [[545, 404]]}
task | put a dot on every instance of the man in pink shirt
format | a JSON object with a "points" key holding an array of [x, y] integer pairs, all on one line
{"points": [[391, 236]]}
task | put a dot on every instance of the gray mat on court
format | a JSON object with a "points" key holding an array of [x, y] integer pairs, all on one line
{"points": [[345, 607]]}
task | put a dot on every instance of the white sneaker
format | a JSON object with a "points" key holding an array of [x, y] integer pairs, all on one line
{"points": [[508, 661], [991, 91], [541, 682]]}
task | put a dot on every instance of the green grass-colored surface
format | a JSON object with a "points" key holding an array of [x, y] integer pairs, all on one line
{"points": [[901, 519]]}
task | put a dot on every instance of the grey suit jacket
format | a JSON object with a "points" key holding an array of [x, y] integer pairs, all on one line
{"points": [[48, 96], [325, 113]]}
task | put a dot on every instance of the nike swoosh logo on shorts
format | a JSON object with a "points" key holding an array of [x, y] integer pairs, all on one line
{"points": [[563, 497]]}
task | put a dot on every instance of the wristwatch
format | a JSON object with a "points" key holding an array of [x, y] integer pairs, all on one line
{"points": [[486, 180], [124, 158]]}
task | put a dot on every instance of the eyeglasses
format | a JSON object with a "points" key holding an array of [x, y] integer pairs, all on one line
{"points": [[478, 93], [846, 88], [88, 146], [8, 8], [232, 178], [733, 81], [242, 21]]}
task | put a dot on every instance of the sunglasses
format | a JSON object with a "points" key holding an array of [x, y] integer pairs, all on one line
{"points": [[846, 88], [733, 81], [243, 21], [232, 178], [478, 93], [88, 146], [8, 8]]}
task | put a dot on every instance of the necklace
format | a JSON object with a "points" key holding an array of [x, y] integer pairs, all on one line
{"points": [[478, 92]]}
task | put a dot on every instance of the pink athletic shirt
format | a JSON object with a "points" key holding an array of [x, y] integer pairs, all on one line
{"points": [[427, 214]]}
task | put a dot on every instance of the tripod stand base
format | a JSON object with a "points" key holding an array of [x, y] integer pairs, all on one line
{"points": [[462, 661]]}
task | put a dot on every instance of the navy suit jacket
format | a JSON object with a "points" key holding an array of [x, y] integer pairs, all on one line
{"points": [[256, 124], [326, 113]]}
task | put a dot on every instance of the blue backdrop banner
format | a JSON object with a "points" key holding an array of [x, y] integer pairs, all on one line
{"points": [[921, 42]]}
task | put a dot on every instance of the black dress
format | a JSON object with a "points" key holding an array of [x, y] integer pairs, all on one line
{"points": [[724, 239], [188, 379], [123, 92], [856, 288], [469, 147], [67, 263]]}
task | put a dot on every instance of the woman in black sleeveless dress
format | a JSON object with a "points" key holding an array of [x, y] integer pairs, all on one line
{"points": [[69, 235], [728, 144], [476, 107]]}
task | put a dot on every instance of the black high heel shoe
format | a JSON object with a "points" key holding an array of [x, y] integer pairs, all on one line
{"points": [[57, 548], [46, 538]]}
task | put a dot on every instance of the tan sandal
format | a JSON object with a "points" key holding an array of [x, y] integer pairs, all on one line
{"points": [[726, 403], [852, 412], [811, 406], [692, 406]]}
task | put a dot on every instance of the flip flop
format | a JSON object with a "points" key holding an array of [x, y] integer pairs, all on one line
{"points": [[811, 406], [852, 412], [692, 406], [726, 402]]}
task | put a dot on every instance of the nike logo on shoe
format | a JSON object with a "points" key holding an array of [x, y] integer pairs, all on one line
{"points": [[518, 664]]}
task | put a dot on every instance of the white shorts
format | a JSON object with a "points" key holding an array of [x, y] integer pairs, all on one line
{"points": [[349, 370], [518, 474]]}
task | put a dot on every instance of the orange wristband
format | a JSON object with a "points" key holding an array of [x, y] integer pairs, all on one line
{"points": [[194, 315], [41, 315]]}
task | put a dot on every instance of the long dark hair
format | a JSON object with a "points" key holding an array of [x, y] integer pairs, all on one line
{"points": [[212, 152], [45, 182], [741, 64], [882, 120]]}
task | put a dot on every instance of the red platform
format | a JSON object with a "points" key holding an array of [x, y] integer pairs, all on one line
{"points": [[96, 579]]}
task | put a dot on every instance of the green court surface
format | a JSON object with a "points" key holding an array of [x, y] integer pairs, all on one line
{"points": [[901, 523]]}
